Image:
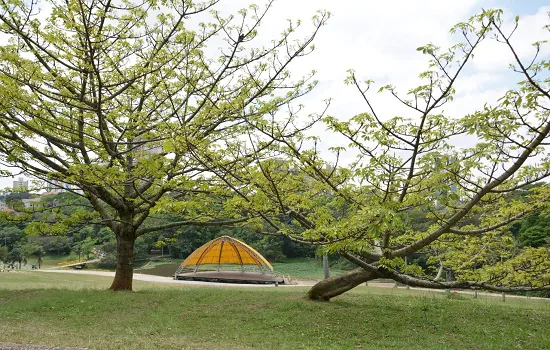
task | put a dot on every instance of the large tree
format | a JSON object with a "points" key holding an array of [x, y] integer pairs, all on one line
{"points": [[111, 98], [410, 164]]}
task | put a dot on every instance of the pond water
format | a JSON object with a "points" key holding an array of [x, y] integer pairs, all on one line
{"points": [[166, 270]]}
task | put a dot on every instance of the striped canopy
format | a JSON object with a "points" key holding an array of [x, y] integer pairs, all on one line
{"points": [[226, 251]]}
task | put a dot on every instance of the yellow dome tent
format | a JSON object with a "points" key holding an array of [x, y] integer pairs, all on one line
{"points": [[226, 259]]}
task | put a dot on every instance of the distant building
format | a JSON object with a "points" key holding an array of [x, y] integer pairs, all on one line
{"points": [[147, 148], [28, 203], [20, 184], [7, 210], [48, 193], [56, 186]]}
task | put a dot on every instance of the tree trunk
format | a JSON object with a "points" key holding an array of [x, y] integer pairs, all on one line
{"points": [[325, 266], [336, 285], [124, 257], [440, 272]]}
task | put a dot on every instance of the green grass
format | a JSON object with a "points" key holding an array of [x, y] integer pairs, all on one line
{"points": [[52, 260], [48, 261], [306, 269], [152, 263], [18, 280], [179, 316]]}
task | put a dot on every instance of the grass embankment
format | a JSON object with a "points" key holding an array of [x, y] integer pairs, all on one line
{"points": [[176, 317], [51, 260], [154, 262]]}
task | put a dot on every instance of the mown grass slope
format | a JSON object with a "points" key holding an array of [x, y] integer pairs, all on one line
{"points": [[176, 317]]}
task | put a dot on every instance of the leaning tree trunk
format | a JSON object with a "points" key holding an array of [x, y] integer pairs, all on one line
{"points": [[125, 254], [336, 285]]}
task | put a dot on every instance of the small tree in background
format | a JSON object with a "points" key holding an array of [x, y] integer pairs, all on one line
{"points": [[35, 250], [4, 254], [16, 258]]}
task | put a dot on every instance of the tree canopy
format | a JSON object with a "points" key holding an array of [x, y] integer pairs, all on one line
{"points": [[411, 163], [113, 97]]}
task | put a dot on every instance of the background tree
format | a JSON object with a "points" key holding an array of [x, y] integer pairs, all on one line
{"points": [[35, 250], [84, 248], [10, 234], [16, 256], [534, 229], [89, 240], [161, 243], [406, 165], [4, 254], [111, 98]]}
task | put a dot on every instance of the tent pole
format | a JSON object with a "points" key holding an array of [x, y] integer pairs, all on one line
{"points": [[202, 254], [220, 255]]}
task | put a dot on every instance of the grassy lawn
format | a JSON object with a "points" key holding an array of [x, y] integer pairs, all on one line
{"points": [[48, 261], [175, 316], [305, 269], [152, 263], [51, 260], [19, 280]]}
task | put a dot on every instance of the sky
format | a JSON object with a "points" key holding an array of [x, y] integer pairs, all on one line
{"points": [[378, 39]]}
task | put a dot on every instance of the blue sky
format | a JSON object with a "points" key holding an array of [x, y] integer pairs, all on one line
{"points": [[521, 6]]}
